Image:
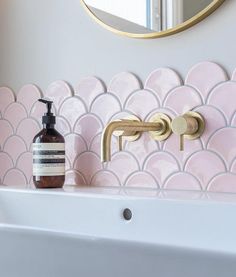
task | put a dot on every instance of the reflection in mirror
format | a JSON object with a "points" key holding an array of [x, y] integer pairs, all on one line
{"points": [[145, 16]]}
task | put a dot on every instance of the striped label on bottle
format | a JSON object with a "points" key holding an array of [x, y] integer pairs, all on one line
{"points": [[48, 159]]}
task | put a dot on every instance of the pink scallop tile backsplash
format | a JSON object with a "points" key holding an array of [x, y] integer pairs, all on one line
{"points": [[207, 164]]}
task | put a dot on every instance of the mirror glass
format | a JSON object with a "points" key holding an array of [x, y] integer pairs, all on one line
{"points": [[146, 16]]}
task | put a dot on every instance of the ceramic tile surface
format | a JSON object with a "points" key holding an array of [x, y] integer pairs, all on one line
{"points": [[207, 164]]}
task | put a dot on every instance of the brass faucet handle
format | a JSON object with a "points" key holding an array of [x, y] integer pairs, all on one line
{"points": [[181, 143], [184, 125], [189, 126], [120, 143]]}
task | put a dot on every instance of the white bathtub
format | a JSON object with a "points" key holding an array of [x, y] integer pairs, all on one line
{"points": [[82, 233]]}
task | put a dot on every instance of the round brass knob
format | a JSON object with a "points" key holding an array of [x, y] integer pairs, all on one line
{"points": [[184, 125], [189, 126]]}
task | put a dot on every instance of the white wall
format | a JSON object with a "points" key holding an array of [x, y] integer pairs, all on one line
{"points": [[41, 41]]}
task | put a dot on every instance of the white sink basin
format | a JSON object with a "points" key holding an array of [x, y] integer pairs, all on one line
{"points": [[83, 233]]}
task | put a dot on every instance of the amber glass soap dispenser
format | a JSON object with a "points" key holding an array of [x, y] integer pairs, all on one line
{"points": [[48, 153]]}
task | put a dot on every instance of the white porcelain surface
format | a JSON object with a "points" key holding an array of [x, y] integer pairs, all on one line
{"points": [[81, 232]]}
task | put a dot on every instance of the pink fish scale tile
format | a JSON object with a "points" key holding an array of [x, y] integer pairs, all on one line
{"points": [[161, 165], [68, 165], [81, 127], [233, 166], [63, 126], [205, 76], [105, 178], [164, 110], [233, 122], [182, 181], [141, 153], [215, 120], [138, 179], [72, 109], [190, 147], [141, 102], [162, 81], [24, 164], [105, 106], [199, 161], [234, 75], [15, 146], [6, 131], [208, 163], [89, 88], [28, 95], [6, 98], [119, 163], [75, 145], [6, 163], [74, 177], [224, 182], [87, 164], [27, 129], [15, 177], [188, 99], [219, 98], [218, 144], [58, 92], [123, 84], [95, 145], [37, 110], [15, 113]]}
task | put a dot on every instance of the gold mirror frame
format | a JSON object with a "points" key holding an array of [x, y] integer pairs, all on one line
{"points": [[181, 27]]}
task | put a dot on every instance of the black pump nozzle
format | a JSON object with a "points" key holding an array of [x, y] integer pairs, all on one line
{"points": [[48, 118], [48, 103]]}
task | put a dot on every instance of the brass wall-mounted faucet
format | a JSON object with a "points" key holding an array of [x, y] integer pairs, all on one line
{"points": [[131, 128], [190, 126]]}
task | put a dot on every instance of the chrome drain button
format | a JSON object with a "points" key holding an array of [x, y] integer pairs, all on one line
{"points": [[127, 214]]}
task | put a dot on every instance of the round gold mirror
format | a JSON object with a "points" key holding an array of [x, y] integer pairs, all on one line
{"points": [[149, 18]]}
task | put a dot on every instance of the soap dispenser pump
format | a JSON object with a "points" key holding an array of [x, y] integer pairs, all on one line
{"points": [[48, 153]]}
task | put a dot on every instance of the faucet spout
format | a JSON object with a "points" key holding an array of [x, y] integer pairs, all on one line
{"points": [[127, 126]]}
